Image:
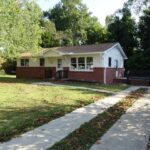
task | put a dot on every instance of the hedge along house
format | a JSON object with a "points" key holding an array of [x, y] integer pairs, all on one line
{"points": [[100, 63]]}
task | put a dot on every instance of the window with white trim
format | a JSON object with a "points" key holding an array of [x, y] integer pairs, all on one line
{"points": [[24, 62], [89, 63], [82, 63], [73, 63]]}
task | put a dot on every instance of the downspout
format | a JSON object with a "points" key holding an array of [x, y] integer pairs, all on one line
{"points": [[105, 76], [104, 68]]}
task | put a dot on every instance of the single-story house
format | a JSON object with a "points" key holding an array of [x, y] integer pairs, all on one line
{"points": [[100, 63]]}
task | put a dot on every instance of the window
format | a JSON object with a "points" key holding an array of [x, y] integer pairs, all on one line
{"points": [[89, 63], [109, 62], [82, 63], [24, 62], [74, 63], [42, 62], [59, 63]]}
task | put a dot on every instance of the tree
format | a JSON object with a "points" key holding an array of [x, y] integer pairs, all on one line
{"points": [[73, 17], [123, 29], [144, 29], [137, 5], [140, 60], [70, 16], [96, 33], [48, 36], [19, 27]]}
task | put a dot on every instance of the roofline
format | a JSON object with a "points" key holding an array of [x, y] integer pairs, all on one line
{"points": [[120, 48]]}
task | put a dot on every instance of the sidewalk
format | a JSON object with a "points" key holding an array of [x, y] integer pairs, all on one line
{"points": [[73, 87], [132, 131], [47, 135]]}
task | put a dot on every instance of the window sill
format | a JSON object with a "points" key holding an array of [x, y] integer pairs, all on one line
{"points": [[81, 70]]}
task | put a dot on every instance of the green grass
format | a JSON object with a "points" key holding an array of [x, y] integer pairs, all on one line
{"points": [[90, 132], [112, 87], [24, 106]]}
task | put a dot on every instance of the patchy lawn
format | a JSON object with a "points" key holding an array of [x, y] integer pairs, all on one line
{"points": [[112, 87], [90, 132], [24, 106]]}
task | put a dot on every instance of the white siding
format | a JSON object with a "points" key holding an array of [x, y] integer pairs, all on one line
{"points": [[115, 54], [52, 61], [99, 60]]}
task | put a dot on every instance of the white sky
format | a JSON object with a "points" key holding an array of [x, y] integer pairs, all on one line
{"points": [[99, 8]]}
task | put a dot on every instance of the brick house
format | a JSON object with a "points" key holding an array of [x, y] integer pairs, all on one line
{"points": [[100, 63]]}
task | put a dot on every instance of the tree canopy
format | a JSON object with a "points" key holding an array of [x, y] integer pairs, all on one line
{"points": [[19, 27], [122, 28], [73, 17], [144, 29]]}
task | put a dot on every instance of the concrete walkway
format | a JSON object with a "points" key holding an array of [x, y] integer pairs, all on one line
{"points": [[47, 135], [74, 87], [132, 131]]}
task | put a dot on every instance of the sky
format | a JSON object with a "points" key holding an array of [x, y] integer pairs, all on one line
{"points": [[99, 8]]}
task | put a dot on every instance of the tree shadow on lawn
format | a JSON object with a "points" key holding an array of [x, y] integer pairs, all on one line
{"points": [[15, 121]]}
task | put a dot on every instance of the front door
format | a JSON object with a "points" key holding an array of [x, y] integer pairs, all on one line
{"points": [[59, 69]]}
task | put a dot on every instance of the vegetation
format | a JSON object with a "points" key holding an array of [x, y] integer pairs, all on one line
{"points": [[28, 106], [90, 132], [25, 28], [123, 30], [73, 18], [112, 87], [19, 27]]}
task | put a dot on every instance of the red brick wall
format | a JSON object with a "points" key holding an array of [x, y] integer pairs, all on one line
{"points": [[33, 72], [97, 75], [110, 75]]}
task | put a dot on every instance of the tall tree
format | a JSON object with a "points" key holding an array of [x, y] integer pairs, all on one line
{"points": [[19, 27], [73, 17], [96, 33], [137, 5], [144, 29], [123, 29], [49, 33]]}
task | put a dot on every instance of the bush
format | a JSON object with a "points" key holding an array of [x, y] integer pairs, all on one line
{"points": [[140, 60], [9, 66]]}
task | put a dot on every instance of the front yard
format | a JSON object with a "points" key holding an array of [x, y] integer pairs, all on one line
{"points": [[24, 106]]}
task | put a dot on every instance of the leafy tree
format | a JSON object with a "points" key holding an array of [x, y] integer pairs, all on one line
{"points": [[72, 16], [140, 60], [19, 27], [123, 29], [48, 36], [144, 29], [96, 33], [137, 5]]}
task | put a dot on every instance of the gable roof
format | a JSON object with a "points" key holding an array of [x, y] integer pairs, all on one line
{"points": [[82, 49]]}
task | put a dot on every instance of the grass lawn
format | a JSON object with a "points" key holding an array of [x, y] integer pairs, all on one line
{"points": [[112, 87], [24, 106]]}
